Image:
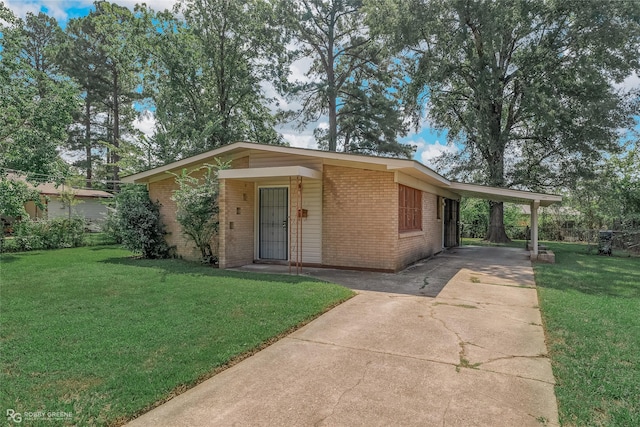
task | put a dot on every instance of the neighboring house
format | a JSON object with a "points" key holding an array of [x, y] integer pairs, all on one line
{"points": [[320, 208], [90, 202]]}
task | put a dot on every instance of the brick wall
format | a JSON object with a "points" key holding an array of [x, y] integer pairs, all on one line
{"points": [[360, 216], [237, 200], [162, 191], [415, 245]]}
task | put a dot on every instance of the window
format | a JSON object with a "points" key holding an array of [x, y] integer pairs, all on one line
{"points": [[409, 209]]}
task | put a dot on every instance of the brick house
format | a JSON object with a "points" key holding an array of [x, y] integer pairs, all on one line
{"points": [[310, 207]]}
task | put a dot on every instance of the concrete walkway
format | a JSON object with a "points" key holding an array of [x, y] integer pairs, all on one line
{"points": [[454, 341]]}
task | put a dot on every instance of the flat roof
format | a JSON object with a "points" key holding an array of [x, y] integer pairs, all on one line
{"points": [[503, 194], [408, 166]]}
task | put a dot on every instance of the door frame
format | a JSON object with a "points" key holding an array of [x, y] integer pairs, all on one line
{"points": [[256, 246]]}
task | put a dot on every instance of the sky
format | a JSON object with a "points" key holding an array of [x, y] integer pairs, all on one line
{"points": [[429, 143]]}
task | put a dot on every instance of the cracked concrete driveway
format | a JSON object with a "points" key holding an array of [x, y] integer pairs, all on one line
{"points": [[454, 341]]}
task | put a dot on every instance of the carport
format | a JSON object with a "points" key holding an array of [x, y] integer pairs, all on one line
{"points": [[534, 200]]}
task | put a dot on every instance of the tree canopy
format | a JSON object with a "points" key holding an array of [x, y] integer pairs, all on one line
{"points": [[527, 89], [352, 78], [35, 106], [210, 62], [530, 93]]}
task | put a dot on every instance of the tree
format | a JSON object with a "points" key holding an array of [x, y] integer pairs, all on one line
{"points": [[13, 196], [611, 198], [82, 59], [136, 223], [42, 40], [526, 88], [197, 203], [103, 55], [208, 72], [35, 106], [69, 200], [352, 80]]}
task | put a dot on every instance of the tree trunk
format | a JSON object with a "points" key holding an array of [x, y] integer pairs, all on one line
{"points": [[332, 93], [333, 123], [87, 141], [115, 156], [496, 232]]}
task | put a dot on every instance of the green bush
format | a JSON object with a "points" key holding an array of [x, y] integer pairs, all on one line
{"points": [[49, 234], [136, 223], [111, 225], [197, 207]]}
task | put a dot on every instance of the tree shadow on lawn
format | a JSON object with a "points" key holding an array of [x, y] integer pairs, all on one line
{"points": [[178, 266], [6, 258], [109, 246], [591, 274]]}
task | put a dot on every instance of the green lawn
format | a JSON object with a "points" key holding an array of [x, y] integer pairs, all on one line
{"points": [[96, 333], [591, 310]]}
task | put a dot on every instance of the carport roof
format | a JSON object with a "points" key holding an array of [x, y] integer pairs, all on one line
{"points": [[409, 167], [503, 194]]}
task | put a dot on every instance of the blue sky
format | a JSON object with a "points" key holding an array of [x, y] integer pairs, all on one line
{"points": [[429, 142]]}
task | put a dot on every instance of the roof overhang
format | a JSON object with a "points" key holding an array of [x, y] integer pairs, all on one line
{"points": [[408, 172], [255, 174], [504, 194], [239, 149]]}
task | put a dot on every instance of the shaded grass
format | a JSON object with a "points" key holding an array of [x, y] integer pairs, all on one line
{"points": [[98, 239], [468, 241], [94, 332], [591, 310]]}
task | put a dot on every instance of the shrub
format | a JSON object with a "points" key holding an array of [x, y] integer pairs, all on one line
{"points": [[197, 203], [136, 223], [13, 195], [110, 226], [49, 234]]}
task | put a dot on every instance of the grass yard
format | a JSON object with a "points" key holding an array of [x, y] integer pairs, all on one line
{"points": [[591, 310], [98, 334]]}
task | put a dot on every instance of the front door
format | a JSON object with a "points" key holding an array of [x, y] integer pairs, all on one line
{"points": [[273, 223], [451, 219]]}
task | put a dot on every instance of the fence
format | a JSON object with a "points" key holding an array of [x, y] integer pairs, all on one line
{"points": [[622, 239]]}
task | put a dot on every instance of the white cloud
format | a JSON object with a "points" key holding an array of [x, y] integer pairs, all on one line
{"points": [[299, 68], [300, 140], [631, 82], [426, 152], [146, 124], [60, 9], [54, 8]]}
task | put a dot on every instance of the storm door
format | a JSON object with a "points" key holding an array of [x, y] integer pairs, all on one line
{"points": [[273, 223]]}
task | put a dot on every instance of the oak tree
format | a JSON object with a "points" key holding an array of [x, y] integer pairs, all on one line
{"points": [[525, 88]]}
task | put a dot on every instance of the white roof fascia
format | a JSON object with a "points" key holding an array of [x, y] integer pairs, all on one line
{"points": [[504, 194], [274, 172]]}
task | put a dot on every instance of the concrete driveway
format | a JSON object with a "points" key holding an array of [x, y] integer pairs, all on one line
{"points": [[454, 341]]}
